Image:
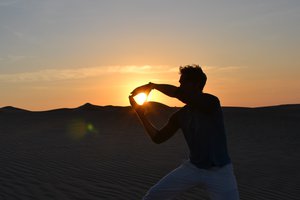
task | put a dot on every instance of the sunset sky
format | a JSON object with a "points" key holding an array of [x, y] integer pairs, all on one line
{"points": [[64, 53]]}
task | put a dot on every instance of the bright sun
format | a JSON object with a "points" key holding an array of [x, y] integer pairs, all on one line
{"points": [[140, 98]]}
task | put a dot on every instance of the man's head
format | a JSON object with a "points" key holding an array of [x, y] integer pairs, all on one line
{"points": [[192, 77]]}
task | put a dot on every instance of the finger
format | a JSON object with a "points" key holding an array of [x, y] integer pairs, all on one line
{"points": [[143, 88], [135, 91], [130, 98], [132, 101]]}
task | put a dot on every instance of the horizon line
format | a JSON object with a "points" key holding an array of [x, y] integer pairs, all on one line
{"points": [[94, 105]]}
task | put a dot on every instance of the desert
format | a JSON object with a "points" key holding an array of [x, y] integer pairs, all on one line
{"points": [[102, 152]]}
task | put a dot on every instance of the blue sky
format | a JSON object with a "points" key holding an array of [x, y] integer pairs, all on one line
{"points": [[252, 44]]}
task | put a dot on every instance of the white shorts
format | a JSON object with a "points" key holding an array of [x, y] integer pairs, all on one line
{"points": [[220, 183]]}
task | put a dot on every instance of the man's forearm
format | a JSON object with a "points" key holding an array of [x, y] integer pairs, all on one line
{"points": [[169, 90], [150, 129]]}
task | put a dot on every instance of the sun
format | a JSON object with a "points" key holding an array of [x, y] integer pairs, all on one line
{"points": [[141, 98]]}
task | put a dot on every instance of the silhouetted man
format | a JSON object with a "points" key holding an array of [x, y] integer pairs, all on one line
{"points": [[201, 121]]}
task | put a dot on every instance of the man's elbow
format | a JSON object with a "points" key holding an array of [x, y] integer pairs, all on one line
{"points": [[157, 140]]}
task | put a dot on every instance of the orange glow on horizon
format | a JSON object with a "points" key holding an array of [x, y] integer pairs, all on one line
{"points": [[233, 86]]}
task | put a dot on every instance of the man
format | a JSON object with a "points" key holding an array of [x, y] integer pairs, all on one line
{"points": [[201, 121]]}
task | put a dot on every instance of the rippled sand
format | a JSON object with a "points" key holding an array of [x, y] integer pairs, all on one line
{"points": [[103, 153]]}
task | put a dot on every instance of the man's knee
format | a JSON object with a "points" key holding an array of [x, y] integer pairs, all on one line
{"points": [[226, 195], [158, 193]]}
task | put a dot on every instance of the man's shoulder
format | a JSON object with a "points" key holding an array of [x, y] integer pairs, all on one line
{"points": [[211, 98], [208, 95], [208, 103]]}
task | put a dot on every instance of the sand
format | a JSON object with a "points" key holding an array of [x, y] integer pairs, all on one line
{"points": [[94, 152]]}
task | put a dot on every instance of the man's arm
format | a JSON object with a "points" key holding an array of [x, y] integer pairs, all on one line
{"points": [[157, 136], [169, 90]]}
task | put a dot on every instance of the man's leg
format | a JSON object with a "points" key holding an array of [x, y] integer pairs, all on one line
{"points": [[174, 183], [221, 184]]}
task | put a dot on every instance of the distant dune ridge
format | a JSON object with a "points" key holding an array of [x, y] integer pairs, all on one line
{"points": [[102, 152]]}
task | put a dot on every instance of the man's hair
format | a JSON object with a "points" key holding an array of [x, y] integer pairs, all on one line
{"points": [[194, 73]]}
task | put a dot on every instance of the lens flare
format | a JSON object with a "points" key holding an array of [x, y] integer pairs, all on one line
{"points": [[141, 98], [79, 128]]}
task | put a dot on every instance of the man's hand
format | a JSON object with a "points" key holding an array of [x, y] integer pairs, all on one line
{"points": [[138, 108], [144, 88]]}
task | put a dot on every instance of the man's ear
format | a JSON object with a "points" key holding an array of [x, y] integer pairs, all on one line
{"points": [[196, 85]]}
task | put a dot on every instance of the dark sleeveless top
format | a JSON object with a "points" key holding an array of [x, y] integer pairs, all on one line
{"points": [[201, 122]]}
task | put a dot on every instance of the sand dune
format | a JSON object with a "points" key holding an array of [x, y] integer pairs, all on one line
{"points": [[95, 152]]}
